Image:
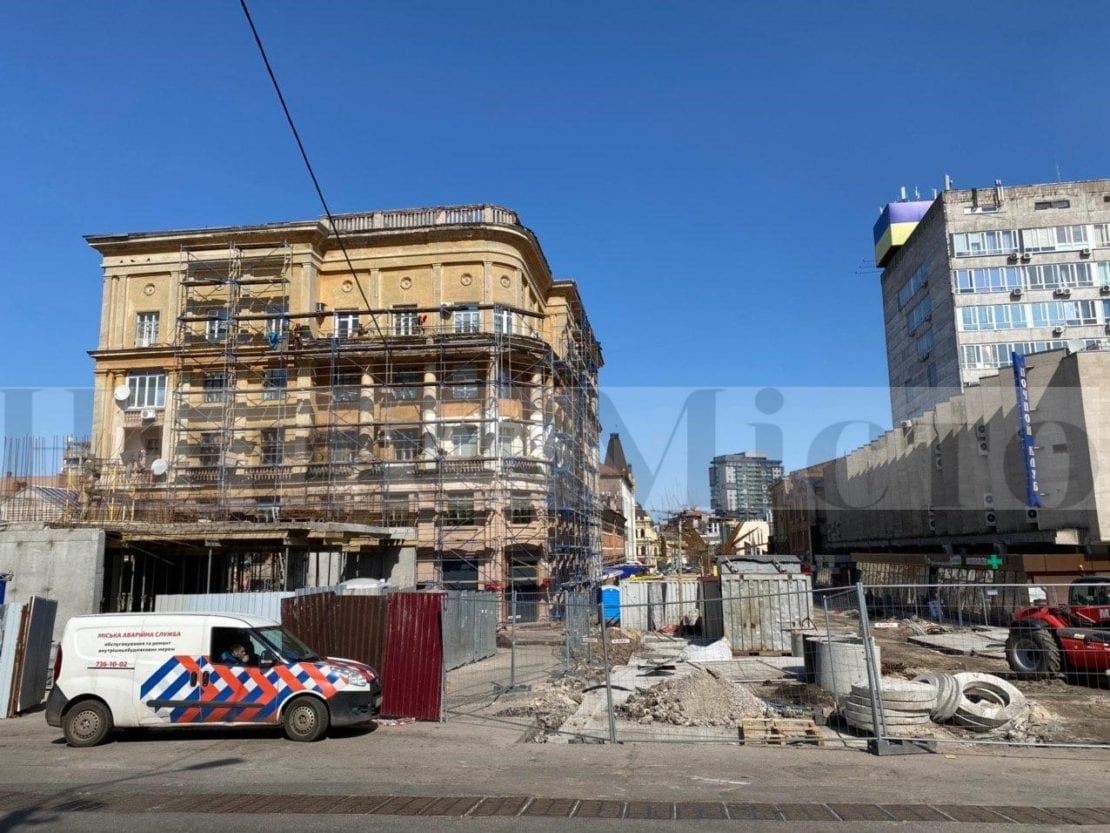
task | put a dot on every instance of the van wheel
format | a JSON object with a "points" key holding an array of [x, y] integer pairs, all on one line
{"points": [[87, 723], [305, 719]]}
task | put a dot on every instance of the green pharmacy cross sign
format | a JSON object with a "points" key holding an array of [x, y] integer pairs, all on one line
{"points": [[994, 562]]}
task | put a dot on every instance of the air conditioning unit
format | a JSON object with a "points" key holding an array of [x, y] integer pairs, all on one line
{"points": [[984, 448], [1084, 252], [988, 500], [1033, 516], [990, 519], [1058, 331], [147, 413], [1062, 292], [981, 430], [1108, 329], [932, 524], [1025, 257], [1016, 292], [1105, 289], [1013, 256], [321, 307], [907, 424]]}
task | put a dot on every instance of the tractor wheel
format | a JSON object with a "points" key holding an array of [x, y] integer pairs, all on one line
{"points": [[1033, 654]]}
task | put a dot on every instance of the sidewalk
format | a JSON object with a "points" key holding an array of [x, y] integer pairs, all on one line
{"points": [[478, 758]]}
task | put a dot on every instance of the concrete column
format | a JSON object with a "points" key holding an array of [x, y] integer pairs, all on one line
{"points": [[428, 413], [533, 443]]}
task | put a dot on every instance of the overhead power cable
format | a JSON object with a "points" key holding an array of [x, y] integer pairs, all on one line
{"points": [[312, 173]]}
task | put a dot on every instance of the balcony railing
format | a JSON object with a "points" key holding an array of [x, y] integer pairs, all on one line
{"points": [[459, 215]]}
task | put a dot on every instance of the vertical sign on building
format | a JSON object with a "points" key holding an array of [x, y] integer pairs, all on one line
{"points": [[1025, 433]]}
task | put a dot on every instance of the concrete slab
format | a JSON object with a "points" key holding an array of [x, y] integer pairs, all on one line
{"points": [[980, 642]]}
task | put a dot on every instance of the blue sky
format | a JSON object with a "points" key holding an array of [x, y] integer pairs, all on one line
{"points": [[709, 173]]}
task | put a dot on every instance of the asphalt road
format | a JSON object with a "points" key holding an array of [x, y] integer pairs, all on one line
{"points": [[403, 774]]}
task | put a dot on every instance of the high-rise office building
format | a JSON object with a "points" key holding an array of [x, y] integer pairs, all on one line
{"points": [[740, 485], [973, 276]]}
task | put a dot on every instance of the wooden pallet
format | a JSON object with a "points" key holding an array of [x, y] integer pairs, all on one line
{"points": [[780, 731]]}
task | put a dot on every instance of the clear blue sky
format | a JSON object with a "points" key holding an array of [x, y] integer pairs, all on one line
{"points": [[709, 173]]}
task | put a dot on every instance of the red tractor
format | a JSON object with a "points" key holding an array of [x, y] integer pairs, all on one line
{"points": [[1047, 641]]}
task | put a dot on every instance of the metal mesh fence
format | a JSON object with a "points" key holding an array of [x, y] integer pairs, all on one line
{"points": [[768, 660]]}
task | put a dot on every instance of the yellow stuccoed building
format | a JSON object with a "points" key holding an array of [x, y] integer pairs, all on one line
{"points": [[408, 394]]}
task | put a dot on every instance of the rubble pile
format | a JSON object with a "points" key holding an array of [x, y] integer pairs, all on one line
{"points": [[551, 708], [701, 698]]}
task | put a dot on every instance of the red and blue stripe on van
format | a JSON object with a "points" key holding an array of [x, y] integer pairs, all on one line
{"points": [[194, 690]]}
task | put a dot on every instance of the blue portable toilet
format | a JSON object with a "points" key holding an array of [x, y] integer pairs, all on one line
{"points": [[3, 585], [611, 604]]}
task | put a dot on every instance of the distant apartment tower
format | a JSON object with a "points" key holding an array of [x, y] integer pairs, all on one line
{"points": [[740, 485], [972, 276]]}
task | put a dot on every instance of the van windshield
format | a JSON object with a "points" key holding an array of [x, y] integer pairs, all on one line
{"points": [[287, 646]]}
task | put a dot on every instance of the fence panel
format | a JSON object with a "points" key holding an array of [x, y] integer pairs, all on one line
{"points": [[413, 674], [311, 618], [993, 664], [34, 662], [359, 626], [266, 605]]}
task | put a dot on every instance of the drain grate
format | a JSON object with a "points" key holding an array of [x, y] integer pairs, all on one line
{"points": [[472, 806]]}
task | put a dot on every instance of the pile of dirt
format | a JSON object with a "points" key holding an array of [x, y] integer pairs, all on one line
{"points": [[623, 643], [701, 698], [551, 707]]}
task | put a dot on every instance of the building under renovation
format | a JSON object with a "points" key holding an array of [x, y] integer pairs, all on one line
{"points": [[295, 403]]}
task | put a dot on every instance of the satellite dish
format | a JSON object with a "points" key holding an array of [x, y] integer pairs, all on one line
{"points": [[122, 393], [159, 467]]}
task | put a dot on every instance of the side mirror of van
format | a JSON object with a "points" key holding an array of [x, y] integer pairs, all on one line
{"points": [[266, 659]]}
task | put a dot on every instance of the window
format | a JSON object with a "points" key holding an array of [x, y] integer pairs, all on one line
{"points": [[216, 327], [1104, 273], [978, 243], [346, 324], [1102, 235], [1063, 313], [148, 389], [467, 320], [464, 383], [460, 509], [931, 374], [215, 387], [521, 510], [274, 382], [917, 280], [925, 344], [347, 385], [503, 320], [406, 385], [464, 441], [146, 329], [278, 323], [994, 317], [1059, 275], [208, 449], [997, 279], [344, 448], [1054, 238], [406, 443], [511, 438], [1042, 205], [406, 320], [273, 446], [919, 314], [395, 510], [153, 448], [989, 356]]}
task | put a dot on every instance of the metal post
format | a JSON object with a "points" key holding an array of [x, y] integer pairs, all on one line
{"points": [[874, 675], [512, 640], [208, 586], [828, 642], [608, 676]]}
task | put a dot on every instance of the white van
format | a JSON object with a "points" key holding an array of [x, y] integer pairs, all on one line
{"points": [[200, 669]]}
